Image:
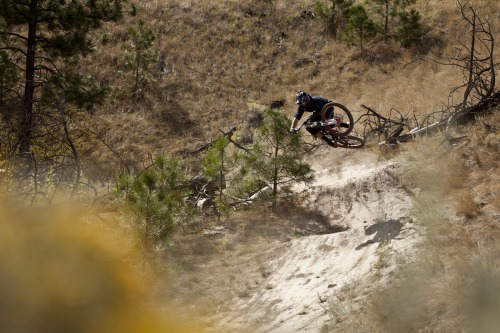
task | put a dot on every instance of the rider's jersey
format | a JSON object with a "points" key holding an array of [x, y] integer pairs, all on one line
{"points": [[317, 103]]}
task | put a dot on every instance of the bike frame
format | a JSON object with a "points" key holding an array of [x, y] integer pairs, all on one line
{"points": [[345, 141]]}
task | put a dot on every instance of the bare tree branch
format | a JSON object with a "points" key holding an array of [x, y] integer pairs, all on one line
{"points": [[475, 58]]}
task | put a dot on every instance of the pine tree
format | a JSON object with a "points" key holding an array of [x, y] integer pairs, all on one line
{"points": [[138, 55], [43, 36], [340, 9], [275, 159], [214, 167], [335, 14], [155, 198], [391, 10], [359, 25], [411, 29]]}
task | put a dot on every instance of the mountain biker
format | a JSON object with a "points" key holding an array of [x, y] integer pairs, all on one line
{"points": [[314, 104]]}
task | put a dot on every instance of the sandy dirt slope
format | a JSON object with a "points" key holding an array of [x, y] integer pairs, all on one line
{"points": [[371, 230]]}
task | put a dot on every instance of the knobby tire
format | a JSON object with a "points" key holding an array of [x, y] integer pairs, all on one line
{"points": [[350, 142], [338, 131]]}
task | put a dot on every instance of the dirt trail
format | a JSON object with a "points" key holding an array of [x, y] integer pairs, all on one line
{"points": [[369, 211]]}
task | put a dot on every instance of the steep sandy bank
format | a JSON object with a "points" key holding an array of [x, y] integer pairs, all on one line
{"points": [[306, 277]]}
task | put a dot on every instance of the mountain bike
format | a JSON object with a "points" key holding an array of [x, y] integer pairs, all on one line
{"points": [[336, 124]]}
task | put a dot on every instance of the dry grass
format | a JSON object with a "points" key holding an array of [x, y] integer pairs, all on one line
{"points": [[454, 285], [216, 57], [466, 205], [427, 162]]}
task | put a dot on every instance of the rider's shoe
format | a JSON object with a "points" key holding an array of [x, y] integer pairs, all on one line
{"points": [[345, 125]]}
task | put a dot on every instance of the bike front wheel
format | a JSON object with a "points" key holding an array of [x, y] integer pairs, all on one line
{"points": [[344, 122]]}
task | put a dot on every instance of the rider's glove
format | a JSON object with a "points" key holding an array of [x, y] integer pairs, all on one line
{"points": [[293, 131]]}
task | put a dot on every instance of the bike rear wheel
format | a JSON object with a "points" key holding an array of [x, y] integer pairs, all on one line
{"points": [[344, 120], [350, 142]]}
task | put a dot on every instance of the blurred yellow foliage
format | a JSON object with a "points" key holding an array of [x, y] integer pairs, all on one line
{"points": [[60, 274]]}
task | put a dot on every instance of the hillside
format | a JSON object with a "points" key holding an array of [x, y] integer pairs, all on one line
{"points": [[398, 238], [218, 57]]}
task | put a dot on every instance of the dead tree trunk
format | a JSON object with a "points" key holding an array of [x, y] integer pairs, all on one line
{"points": [[478, 66]]}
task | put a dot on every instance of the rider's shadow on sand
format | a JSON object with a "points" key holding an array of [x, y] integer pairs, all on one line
{"points": [[384, 231]]}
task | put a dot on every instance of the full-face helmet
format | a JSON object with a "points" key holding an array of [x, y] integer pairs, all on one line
{"points": [[302, 98]]}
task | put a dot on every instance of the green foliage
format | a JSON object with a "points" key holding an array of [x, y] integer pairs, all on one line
{"points": [[246, 185], [335, 15], [391, 8], [138, 55], [8, 75], [67, 22], [322, 11], [49, 37], [213, 163], [80, 90], [214, 167], [359, 25], [133, 9], [394, 13], [155, 198], [411, 29], [343, 17], [275, 159]]}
